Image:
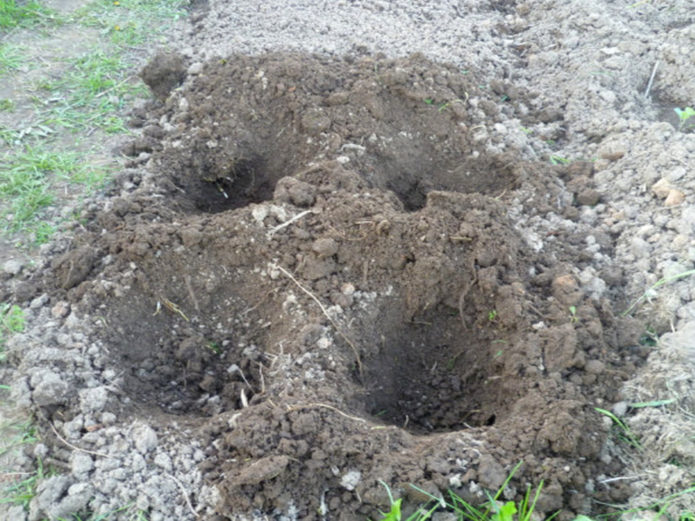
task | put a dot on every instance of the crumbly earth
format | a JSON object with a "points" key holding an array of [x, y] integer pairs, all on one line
{"points": [[323, 273]]}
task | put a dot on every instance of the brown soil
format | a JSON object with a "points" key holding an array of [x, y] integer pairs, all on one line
{"points": [[321, 276]]}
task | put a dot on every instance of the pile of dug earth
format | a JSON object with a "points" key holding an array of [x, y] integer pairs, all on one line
{"points": [[328, 273]]}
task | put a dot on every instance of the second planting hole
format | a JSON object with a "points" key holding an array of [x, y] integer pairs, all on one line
{"points": [[431, 375]]}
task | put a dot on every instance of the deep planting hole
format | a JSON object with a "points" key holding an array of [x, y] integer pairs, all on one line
{"points": [[174, 361], [432, 375], [412, 170], [237, 183], [407, 125]]}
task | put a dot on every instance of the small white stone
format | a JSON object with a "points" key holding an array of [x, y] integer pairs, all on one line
{"points": [[13, 267], [164, 461], [619, 409], [195, 68], [81, 463], [500, 128], [108, 418], [145, 438], [350, 479], [93, 400], [259, 213], [661, 188]]}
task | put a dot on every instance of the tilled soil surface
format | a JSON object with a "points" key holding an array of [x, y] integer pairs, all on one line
{"points": [[331, 309], [321, 275]]}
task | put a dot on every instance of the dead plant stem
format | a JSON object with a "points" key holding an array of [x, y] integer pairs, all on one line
{"points": [[325, 312]]}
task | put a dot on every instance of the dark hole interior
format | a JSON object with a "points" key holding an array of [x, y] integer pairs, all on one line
{"points": [[246, 182], [412, 174], [176, 367], [431, 375]]}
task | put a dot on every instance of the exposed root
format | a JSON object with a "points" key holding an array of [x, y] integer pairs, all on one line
{"points": [[325, 312]]}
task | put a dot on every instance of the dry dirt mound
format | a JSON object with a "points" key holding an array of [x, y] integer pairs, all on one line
{"points": [[320, 281]]}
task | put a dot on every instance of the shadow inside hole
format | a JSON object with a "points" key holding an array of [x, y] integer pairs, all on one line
{"points": [[246, 182], [170, 366], [411, 176], [432, 375]]}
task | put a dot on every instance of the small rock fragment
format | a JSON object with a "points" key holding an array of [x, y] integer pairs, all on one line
{"points": [[490, 473], [81, 463], [60, 310], [315, 121], [93, 399], [12, 267], [350, 479], [49, 388], [16, 513], [620, 408], [262, 470], [566, 290], [39, 301], [164, 461], [325, 247], [594, 367], [662, 188], [195, 68], [612, 151], [294, 191], [48, 494], [589, 197], [674, 198], [145, 438]]}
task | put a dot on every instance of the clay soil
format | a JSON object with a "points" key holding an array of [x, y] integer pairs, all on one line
{"points": [[317, 274]]}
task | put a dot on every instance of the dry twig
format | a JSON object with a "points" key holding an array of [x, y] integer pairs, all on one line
{"points": [[325, 312], [189, 287], [184, 492], [75, 447], [279, 227]]}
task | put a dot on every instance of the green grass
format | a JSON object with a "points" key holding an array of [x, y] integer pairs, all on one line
{"points": [[8, 135], [129, 23], [24, 14], [11, 58], [651, 291], [44, 150], [11, 321], [25, 190], [91, 94], [21, 492], [683, 116], [621, 430], [96, 71], [17, 435], [27, 182], [522, 510], [657, 511], [489, 510], [559, 160]]}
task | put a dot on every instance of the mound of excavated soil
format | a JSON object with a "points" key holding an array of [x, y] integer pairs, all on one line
{"points": [[317, 287]]}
